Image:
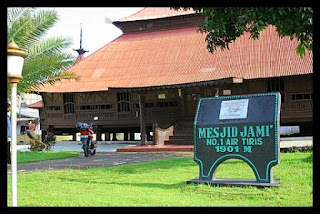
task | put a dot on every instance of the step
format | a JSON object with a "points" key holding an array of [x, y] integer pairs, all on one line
{"points": [[185, 125], [174, 142], [180, 140], [183, 132], [181, 137]]}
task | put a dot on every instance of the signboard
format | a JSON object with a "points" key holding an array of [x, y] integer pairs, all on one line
{"points": [[242, 127]]}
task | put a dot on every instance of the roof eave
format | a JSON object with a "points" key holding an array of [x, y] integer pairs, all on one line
{"points": [[177, 86]]}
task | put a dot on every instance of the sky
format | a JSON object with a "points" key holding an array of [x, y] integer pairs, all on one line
{"points": [[96, 32]]}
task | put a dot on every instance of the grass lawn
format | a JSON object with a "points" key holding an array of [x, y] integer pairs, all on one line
{"points": [[163, 183], [25, 157]]}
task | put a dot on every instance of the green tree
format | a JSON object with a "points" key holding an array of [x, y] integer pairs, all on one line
{"points": [[224, 24], [47, 61]]}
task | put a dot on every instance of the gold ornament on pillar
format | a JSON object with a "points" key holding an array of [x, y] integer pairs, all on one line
{"points": [[15, 57]]}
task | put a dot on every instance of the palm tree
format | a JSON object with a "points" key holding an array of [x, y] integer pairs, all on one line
{"points": [[46, 62]]}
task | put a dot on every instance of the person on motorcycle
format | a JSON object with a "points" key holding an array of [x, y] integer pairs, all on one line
{"points": [[91, 143], [86, 137], [91, 132], [90, 135]]}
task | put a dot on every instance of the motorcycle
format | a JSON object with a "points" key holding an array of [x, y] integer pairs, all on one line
{"points": [[89, 145]]}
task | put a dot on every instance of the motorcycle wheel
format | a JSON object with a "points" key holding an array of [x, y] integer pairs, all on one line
{"points": [[85, 150]]}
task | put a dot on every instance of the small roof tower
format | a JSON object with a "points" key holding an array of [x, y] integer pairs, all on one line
{"points": [[80, 51]]}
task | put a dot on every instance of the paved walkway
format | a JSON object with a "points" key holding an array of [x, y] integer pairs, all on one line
{"points": [[100, 159], [288, 142], [76, 146]]}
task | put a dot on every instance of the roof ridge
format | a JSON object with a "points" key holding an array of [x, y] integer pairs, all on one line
{"points": [[132, 14], [148, 13]]}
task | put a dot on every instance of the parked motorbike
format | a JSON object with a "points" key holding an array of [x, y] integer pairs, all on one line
{"points": [[89, 145]]}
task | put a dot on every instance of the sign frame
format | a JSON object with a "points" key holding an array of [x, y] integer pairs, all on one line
{"points": [[263, 173]]}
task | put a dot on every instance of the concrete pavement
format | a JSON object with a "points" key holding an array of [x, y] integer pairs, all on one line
{"points": [[100, 159], [76, 146], [288, 142]]}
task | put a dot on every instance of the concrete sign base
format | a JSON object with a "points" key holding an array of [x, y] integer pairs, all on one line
{"points": [[234, 182]]}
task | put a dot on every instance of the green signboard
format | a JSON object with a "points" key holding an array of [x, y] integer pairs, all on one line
{"points": [[242, 127]]}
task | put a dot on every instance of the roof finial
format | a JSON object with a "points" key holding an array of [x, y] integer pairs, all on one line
{"points": [[80, 51], [80, 35]]}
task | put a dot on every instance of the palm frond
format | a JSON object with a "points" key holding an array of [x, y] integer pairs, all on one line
{"points": [[18, 30], [45, 68], [14, 13], [67, 75], [42, 22], [48, 46]]}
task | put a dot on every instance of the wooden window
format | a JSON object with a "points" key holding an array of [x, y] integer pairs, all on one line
{"points": [[123, 101], [53, 108], [68, 100], [277, 84], [149, 105], [107, 106], [167, 104], [306, 96], [94, 107]]}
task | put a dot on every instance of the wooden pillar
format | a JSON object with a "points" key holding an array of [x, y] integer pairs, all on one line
{"points": [[131, 136], [148, 136], [99, 133], [74, 136], [155, 133], [142, 120], [114, 136], [181, 102], [43, 135], [107, 136], [125, 137]]}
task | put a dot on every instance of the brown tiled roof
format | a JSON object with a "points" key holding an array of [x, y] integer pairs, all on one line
{"points": [[172, 57], [38, 104], [155, 13]]}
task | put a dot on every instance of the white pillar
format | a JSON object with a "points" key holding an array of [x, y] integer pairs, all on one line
{"points": [[14, 144]]}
